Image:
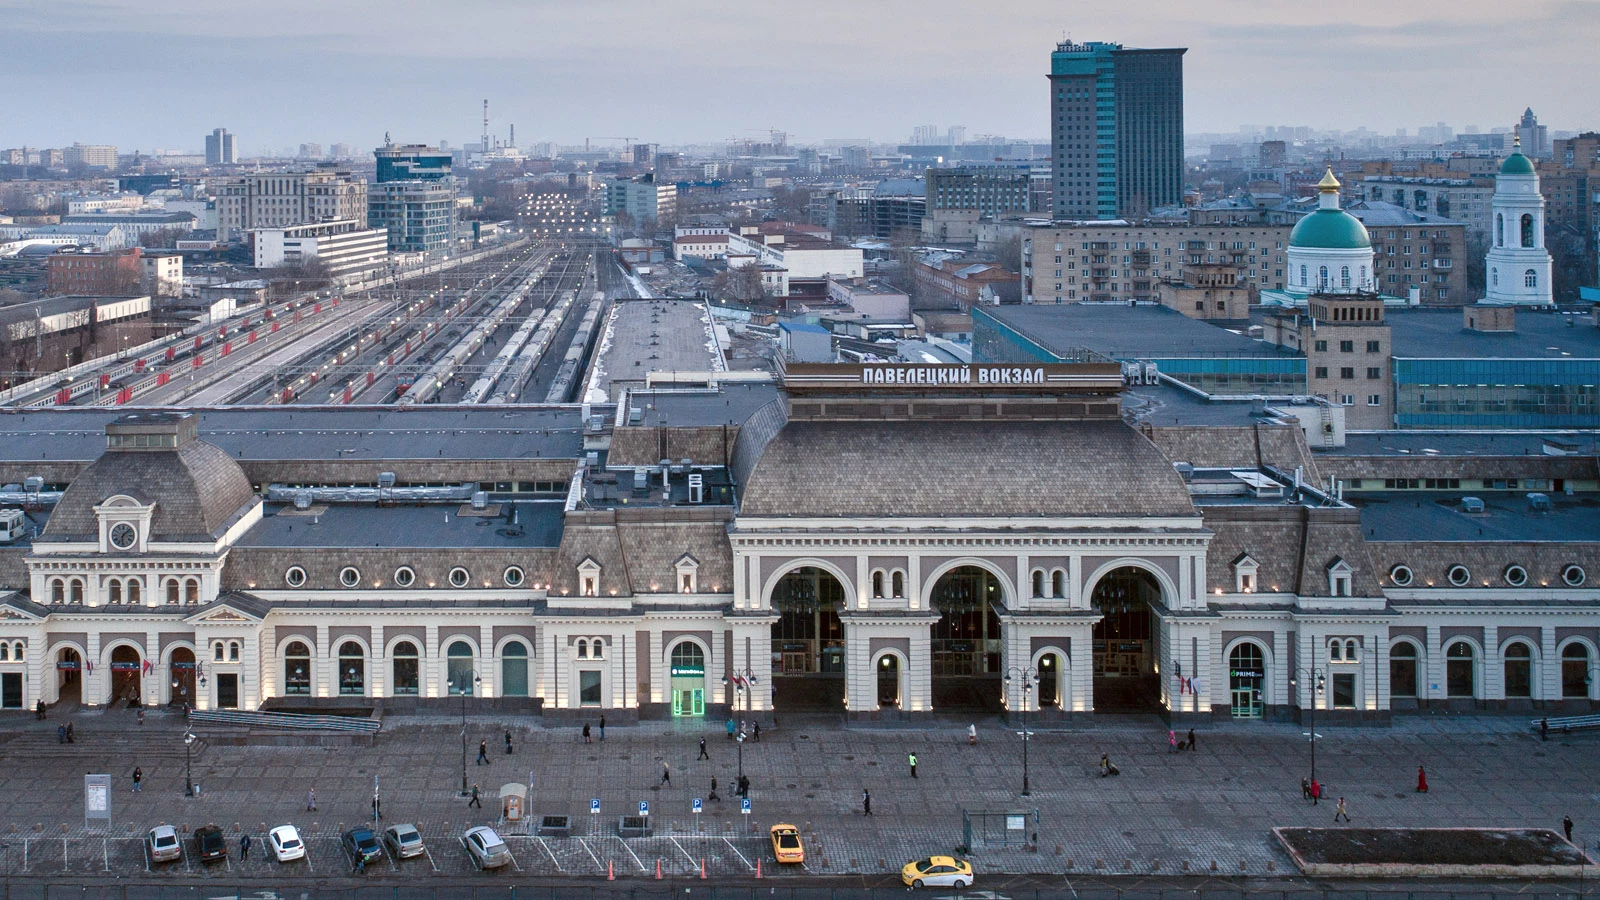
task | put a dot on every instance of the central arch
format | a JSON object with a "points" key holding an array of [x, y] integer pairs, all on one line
{"points": [[807, 639], [967, 637], [1126, 638]]}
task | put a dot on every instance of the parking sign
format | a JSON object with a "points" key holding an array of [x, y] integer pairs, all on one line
{"points": [[697, 806], [594, 806], [644, 807], [744, 806]]}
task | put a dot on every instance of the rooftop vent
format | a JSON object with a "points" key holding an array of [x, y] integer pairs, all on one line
{"points": [[386, 479], [1539, 502], [480, 499], [1472, 504]]}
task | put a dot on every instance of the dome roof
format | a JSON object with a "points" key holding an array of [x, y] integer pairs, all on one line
{"points": [[197, 488], [1065, 469], [1517, 164], [1329, 229]]}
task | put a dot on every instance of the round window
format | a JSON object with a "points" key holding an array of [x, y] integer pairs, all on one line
{"points": [[123, 536], [458, 577], [1516, 576], [1573, 576], [404, 577], [513, 576], [1459, 575], [349, 576], [1400, 575], [295, 577]]}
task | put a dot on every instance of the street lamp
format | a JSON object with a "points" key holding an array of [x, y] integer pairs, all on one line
{"points": [[467, 680], [1319, 681], [744, 681], [1030, 677], [188, 763]]}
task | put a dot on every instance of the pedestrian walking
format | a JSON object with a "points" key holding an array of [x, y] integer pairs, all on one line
{"points": [[1305, 789], [1340, 811], [38, 710], [1105, 764], [703, 753], [714, 798], [141, 715], [972, 735], [1172, 741], [138, 780], [61, 734], [756, 733], [602, 728], [1544, 729], [586, 739], [361, 864], [744, 785], [666, 774], [71, 738], [244, 846], [475, 801], [866, 802], [1566, 825], [913, 760], [508, 743], [311, 800], [483, 753], [1191, 739], [730, 727], [1422, 780], [1316, 792]]}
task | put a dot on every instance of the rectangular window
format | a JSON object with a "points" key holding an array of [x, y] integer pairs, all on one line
{"points": [[1374, 399], [1347, 346], [1321, 371], [1347, 372], [589, 687], [1344, 690], [1372, 347], [1374, 372], [1321, 346]]}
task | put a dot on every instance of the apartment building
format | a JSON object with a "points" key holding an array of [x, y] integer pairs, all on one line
{"points": [[281, 199], [1115, 261]]}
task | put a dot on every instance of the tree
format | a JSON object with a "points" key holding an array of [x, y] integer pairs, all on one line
{"points": [[743, 284], [1008, 251], [306, 275], [163, 237]]}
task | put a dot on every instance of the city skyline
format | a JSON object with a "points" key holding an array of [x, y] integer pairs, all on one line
{"points": [[332, 76]]}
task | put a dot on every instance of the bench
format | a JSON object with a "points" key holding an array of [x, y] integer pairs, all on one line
{"points": [[284, 720], [1565, 724]]}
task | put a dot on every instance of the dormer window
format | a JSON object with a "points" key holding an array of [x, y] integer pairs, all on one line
{"points": [[588, 578], [687, 568], [1339, 578], [1244, 574]]}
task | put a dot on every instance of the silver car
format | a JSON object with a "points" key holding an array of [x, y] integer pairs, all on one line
{"points": [[404, 840], [163, 844], [486, 847]]}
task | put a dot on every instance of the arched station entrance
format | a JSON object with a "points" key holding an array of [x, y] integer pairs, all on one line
{"points": [[808, 641], [688, 674], [69, 676], [1126, 642], [966, 639], [181, 672], [126, 677]]}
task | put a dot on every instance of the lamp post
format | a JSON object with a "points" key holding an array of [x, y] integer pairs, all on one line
{"points": [[188, 763], [1030, 677], [468, 679], [744, 681], [1319, 682]]}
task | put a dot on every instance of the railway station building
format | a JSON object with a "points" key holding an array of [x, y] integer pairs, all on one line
{"points": [[888, 541]]}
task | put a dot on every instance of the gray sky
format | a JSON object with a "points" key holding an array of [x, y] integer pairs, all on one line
{"points": [[145, 75]]}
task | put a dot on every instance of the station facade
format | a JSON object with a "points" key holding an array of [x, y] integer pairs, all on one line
{"points": [[885, 541]]}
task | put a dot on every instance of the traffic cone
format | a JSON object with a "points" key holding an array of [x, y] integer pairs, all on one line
{"points": [[702, 868], [611, 870], [658, 869], [758, 868]]}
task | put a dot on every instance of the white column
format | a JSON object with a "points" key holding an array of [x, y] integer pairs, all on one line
{"points": [[432, 665], [158, 674], [92, 691], [1024, 581], [486, 667], [1550, 668], [919, 671], [377, 666], [1435, 668], [863, 589], [914, 580], [321, 665], [1075, 582], [1494, 671]]}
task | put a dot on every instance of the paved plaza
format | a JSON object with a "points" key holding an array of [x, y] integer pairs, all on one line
{"points": [[1164, 812]]}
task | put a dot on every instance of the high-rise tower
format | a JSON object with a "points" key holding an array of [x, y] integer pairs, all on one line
{"points": [[1116, 129]]}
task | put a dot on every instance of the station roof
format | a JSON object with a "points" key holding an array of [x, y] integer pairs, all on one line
{"points": [[1442, 334], [1507, 516], [1128, 332], [433, 526]]}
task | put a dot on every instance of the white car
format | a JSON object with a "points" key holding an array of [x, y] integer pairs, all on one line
{"points": [[162, 844], [286, 844], [486, 847]]}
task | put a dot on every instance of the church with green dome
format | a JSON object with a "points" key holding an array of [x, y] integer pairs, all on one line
{"points": [[1330, 251]]}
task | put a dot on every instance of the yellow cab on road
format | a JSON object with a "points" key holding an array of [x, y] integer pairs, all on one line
{"points": [[786, 844], [937, 871]]}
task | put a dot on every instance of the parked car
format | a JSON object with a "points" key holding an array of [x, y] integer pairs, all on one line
{"points": [[163, 844], [362, 844], [486, 847], [404, 840], [209, 844], [937, 871], [786, 844], [286, 844]]}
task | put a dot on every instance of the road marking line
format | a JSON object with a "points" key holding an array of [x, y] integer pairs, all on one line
{"points": [[63, 854], [105, 854], [685, 853], [513, 858], [430, 858], [552, 854], [635, 856], [738, 854], [591, 854]]}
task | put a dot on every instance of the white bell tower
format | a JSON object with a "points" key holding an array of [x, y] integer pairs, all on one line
{"points": [[1518, 265]]}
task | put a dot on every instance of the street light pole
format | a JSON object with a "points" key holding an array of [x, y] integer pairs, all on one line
{"points": [[1319, 681], [1030, 677], [744, 685], [188, 763], [468, 679]]}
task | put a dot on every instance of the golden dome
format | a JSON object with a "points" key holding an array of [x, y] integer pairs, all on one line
{"points": [[1328, 184]]}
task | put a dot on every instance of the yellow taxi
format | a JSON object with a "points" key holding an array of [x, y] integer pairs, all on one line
{"points": [[937, 871], [786, 844]]}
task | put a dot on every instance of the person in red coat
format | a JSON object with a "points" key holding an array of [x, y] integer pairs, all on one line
{"points": [[1422, 781], [1316, 791]]}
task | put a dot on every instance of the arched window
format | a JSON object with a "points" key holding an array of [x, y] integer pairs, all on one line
{"points": [[688, 655], [1530, 278], [5, 652], [877, 583], [58, 590], [18, 651], [1519, 670], [1350, 651], [133, 591], [1575, 670], [1058, 584], [406, 682], [233, 651], [1038, 582], [1247, 676], [1403, 670], [597, 650], [1363, 276], [1344, 277], [459, 668], [1460, 664], [1527, 230], [75, 590], [514, 669], [1322, 277], [352, 669], [114, 591], [1334, 651], [217, 651], [297, 669], [583, 650], [897, 583], [174, 591], [191, 591], [1499, 230], [1302, 276]]}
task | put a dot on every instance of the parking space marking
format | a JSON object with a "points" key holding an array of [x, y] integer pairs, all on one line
{"points": [[146, 848], [591, 853], [552, 854], [105, 854], [429, 855], [738, 854], [25, 842], [685, 853], [635, 856], [513, 858], [63, 854], [307, 856], [184, 853]]}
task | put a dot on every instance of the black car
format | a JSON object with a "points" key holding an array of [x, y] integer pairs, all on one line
{"points": [[362, 845], [209, 844]]}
